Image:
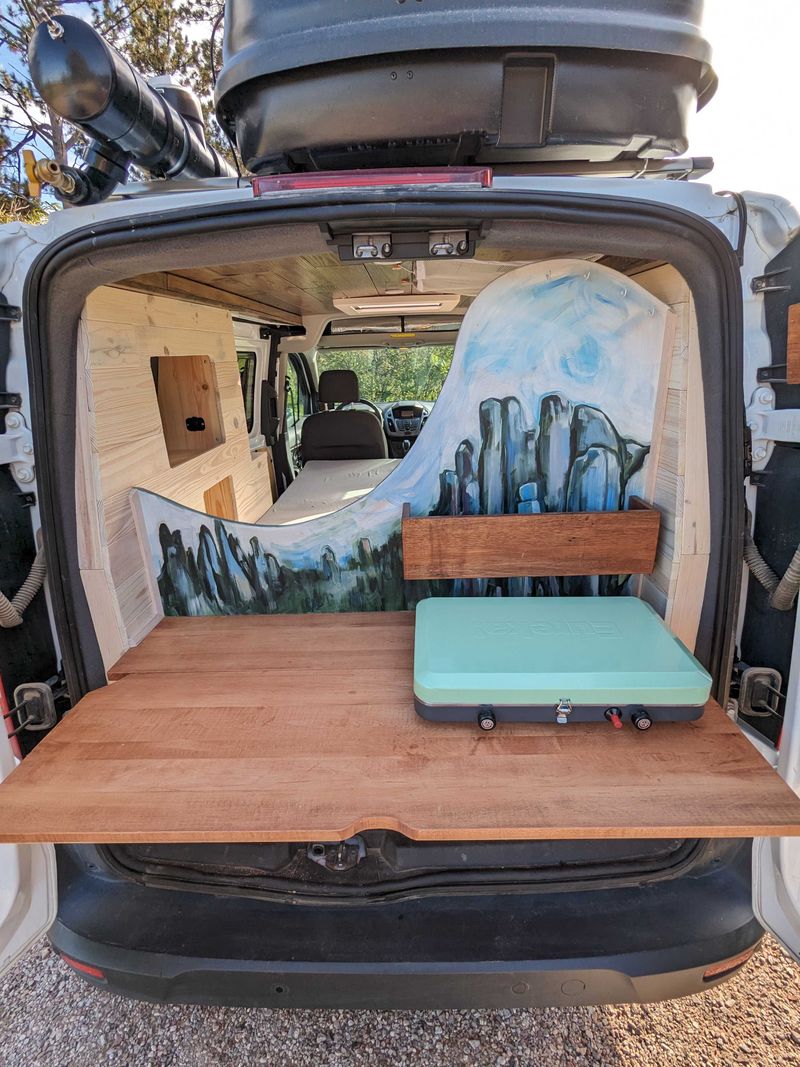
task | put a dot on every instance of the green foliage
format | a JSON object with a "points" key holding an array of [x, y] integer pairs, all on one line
{"points": [[389, 374], [25, 121], [157, 36]]}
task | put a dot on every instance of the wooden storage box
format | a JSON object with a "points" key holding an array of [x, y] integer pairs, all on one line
{"points": [[511, 546]]}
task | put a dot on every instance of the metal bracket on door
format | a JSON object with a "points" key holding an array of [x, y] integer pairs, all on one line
{"points": [[16, 449], [768, 425], [765, 283]]}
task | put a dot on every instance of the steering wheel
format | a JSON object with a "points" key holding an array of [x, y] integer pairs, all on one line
{"points": [[376, 411]]}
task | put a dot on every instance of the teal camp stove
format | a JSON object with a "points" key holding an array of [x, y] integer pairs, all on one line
{"points": [[552, 659]]}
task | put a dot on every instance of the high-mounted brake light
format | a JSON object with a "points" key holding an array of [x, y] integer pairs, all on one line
{"points": [[469, 177]]}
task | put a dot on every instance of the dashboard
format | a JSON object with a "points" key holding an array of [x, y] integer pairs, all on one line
{"points": [[405, 418], [403, 421]]}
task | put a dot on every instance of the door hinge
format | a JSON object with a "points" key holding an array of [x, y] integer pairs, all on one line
{"points": [[10, 313], [768, 425], [10, 400], [16, 448]]}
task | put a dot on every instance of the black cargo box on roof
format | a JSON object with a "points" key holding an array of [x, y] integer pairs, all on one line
{"points": [[327, 84]]}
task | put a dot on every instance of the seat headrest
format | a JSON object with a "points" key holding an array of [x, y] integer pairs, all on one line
{"points": [[338, 387]]}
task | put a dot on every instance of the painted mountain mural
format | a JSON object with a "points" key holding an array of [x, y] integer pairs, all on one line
{"points": [[573, 460], [548, 406]]}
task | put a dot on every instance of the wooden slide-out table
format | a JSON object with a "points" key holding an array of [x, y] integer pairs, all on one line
{"points": [[303, 728]]}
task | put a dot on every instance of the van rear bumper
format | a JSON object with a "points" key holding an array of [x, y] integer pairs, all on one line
{"points": [[520, 948], [391, 986]]}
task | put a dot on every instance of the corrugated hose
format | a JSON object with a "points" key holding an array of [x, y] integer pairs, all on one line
{"points": [[11, 611], [782, 591]]}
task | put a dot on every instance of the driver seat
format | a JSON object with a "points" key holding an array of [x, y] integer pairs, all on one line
{"points": [[341, 434]]}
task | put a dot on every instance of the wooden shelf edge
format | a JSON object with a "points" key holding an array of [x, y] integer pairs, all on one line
{"points": [[517, 546]]}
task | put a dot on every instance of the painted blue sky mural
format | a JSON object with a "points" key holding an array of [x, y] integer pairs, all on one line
{"points": [[548, 406]]}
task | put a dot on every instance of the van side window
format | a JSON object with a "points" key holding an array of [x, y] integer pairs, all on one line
{"points": [[247, 378]]}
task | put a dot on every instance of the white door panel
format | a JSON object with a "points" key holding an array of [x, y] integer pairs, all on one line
{"points": [[769, 254], [28, 894], [776, 889], [776, 861]]}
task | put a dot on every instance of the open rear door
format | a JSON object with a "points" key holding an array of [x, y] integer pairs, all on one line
{"points": [[773, 637], [776, 860], [28, 894]]}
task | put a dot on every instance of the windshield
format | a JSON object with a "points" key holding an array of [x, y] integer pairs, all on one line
{"points": [[389, 374]]}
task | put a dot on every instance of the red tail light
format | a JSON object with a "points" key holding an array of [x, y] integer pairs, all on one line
{"points": [[474, 177], [719, 970], [84, 968]]}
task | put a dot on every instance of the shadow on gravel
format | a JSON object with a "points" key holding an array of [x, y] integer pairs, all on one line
{"points": [[50, 1018]]}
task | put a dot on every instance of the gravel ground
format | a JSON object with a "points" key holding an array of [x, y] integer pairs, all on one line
{"points": [[50, 1018]]}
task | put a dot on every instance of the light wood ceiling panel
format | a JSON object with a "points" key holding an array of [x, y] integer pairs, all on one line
{"points": [[304, 284]]}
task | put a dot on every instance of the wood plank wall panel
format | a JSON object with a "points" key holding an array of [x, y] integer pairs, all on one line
{"points": [[678, 477], [220, 499], [93, 556], [121, 442]]}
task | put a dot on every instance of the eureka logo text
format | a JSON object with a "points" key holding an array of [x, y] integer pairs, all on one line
{"points": [[548, 629]]}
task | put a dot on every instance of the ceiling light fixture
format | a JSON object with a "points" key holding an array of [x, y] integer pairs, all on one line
{"points": [[402, 304]]}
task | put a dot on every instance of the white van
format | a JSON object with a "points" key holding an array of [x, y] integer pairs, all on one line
{"points": [[469, 273]]}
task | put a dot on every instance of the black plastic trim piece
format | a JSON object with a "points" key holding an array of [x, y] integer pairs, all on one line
{"points": [[303, 36], [5, 356], [588, 875]]}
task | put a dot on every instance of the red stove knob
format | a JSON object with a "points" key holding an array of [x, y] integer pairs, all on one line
{"points": [[614, 716]]}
